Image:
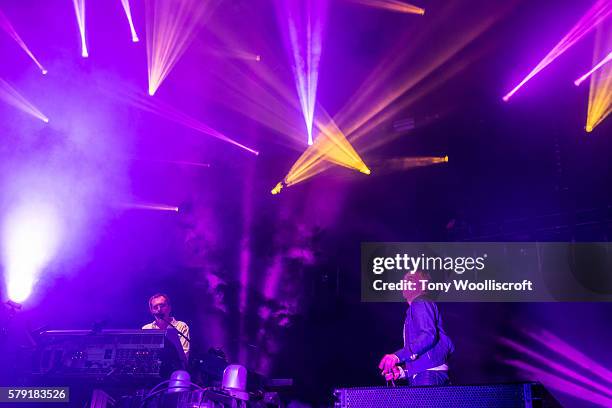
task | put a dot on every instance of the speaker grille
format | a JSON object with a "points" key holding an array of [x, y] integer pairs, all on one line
{"points": [[463, 396]]}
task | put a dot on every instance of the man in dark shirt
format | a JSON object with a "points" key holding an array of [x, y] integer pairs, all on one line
{"points": [[423, 359]]}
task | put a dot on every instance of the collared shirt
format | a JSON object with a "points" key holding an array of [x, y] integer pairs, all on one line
{"points": [[180, 326]]}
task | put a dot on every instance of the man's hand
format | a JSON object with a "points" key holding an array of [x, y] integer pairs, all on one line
{"points": [[387, 363], [396, 373]]}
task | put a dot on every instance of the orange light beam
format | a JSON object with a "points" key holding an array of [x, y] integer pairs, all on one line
{"points": [[406, 163], [390, 80], [370, 103], [391, 5], [330, 146], [600, 89]]}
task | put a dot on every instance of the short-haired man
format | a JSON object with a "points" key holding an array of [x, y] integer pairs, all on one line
{"points": [[160, 308], [426, 346]]}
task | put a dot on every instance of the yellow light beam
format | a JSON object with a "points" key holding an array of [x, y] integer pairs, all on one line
{"points": [[383, 94], [407, 163], [391, 74], [600, 91], [330, 146]]}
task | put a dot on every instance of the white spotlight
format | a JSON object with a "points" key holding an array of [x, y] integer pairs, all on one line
{"points": [[31, 233]]}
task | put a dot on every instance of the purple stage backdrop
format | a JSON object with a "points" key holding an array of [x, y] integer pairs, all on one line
{"points": [[141, 139]]}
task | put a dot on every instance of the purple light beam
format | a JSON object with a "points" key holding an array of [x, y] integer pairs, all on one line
{"points": [[128, 14], [600, 11], [601, 63], [6, 25], [79, 10], [10, 95], [303, 21]]}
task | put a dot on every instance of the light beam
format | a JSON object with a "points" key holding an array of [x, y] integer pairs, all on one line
{"points": [[170, 27], [303, 22], [577, 376], [166, 111], [407, 163], [383, 94], [237, 54], [31, 234], [598, 13], [391, 5], [10, 95], [600, 90], [329, 146], [150, 206], [601, 63], [128, 14], [6, 25], [79, 10]]}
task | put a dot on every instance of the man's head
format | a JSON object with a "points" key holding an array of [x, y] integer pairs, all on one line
{"points": [[416, 277], [159, 305]]}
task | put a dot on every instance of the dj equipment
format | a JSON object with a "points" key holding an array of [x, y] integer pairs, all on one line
{"points": [[519, 395], [101, 354]]}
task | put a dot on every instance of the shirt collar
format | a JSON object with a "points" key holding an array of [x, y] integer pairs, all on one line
{"points": [[172, 321]]}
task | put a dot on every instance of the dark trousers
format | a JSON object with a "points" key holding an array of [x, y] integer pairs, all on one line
{"points": [[430, 377]]}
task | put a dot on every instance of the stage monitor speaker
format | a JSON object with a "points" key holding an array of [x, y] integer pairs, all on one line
{"points": [[516, 395]]}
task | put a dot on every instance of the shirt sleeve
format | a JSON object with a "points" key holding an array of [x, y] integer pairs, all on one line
{"points": [[425, 336], [425, 322], [184, 329]]}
